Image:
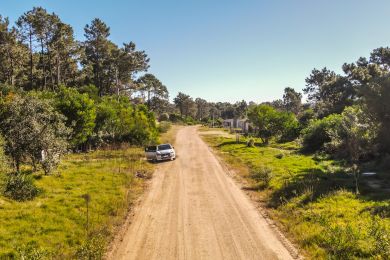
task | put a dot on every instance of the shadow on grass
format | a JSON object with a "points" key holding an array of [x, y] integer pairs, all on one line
{"points": [[230, 143], [313, 184], [242, 143]]}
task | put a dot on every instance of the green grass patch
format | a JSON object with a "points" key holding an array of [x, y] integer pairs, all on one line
{"points": [[54, 224], [311, 198]]}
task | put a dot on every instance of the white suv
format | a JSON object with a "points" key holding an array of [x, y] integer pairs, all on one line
{"points": [[160, 152]]}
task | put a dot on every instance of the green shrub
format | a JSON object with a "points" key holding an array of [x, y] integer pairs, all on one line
{"points": [[341, 242], [279, 156], [317, 134], [164, 117], [251, 143], [189, 120], [93, 248], [164, 126], [175, 118], [20, 187], [381, 234], [80, 112], [31, 251], [261, 174]]}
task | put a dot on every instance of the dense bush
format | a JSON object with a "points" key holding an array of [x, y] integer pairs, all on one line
{"points": [[20, 187], [164, 126], [163, 117], [305, 117], [143, 129], [34, 132], [175, 118], [317, 134], [271, 122], [352, 139], [348, 135], [375, 97], [80, 113], [118, 120]]}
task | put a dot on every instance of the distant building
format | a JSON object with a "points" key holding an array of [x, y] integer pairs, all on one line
{"points": [[243, 124]]}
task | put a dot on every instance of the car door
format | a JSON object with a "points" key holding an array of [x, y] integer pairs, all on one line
{"points": [[150, 152]]}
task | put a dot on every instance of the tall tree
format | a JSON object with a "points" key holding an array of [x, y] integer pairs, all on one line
{"points": [[98, 53], [110, 68], [202, 108], [66, 54], [185, 104], [53, 50], [329, 92], [376, 95], [27, 36], [12, 55], [153, 88], [240, 109], [292, 100]]}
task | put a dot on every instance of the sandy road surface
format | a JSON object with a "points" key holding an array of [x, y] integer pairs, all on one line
{"points": [[195, 211]]}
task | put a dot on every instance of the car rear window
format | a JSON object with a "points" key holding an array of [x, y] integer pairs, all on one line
{"points": [[164, 147], [150, 149]]}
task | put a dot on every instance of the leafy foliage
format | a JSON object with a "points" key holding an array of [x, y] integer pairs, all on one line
{"points": [[376, 94], [32, 128], [80, 113], [20, 187], [272, 123], [317, 134]]}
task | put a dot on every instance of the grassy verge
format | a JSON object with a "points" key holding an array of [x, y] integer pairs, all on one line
{"points": [[311, 198], [54, 224]]}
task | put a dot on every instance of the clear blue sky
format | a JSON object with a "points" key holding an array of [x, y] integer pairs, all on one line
{"points": [[232, 50]]}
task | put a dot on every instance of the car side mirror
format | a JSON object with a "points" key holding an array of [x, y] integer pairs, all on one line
{"points": [[173, 147]]}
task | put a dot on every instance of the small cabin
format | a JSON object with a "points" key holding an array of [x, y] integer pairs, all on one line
{"points": [[243, 124]]}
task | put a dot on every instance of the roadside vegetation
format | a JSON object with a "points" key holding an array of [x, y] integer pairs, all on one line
{"points": [[76, 209], [67, 106], [312, 198], [321, 167], [74, 116]]}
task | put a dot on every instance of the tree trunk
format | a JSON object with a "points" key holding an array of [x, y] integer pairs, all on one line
{"points": [[43, 65], [31, 61], [49, 62], [58, 71]]}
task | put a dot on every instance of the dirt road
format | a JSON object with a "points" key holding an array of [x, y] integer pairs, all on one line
{"points": [[194, 210]]}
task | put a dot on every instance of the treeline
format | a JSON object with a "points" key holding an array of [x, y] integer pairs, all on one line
{"points": [[346, 115], [190, 111], [60, 94]]}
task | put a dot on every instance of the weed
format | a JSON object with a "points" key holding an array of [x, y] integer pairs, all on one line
{"points": [[92, 248], [279, 156], [262, 174], [251, 142]]}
